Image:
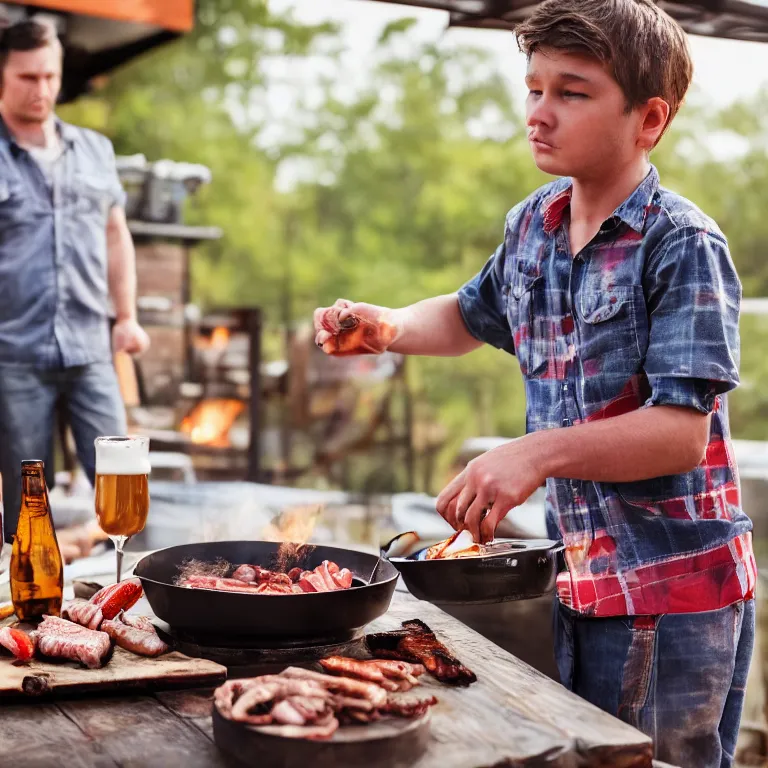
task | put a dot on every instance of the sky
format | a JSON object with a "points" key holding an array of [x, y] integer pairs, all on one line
{"points": [[724, 70]]}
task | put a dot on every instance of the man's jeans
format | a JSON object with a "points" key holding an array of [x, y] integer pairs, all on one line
{"points": [[28, 397], [679, 678]]}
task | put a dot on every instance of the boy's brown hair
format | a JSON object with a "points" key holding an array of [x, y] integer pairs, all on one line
{"points": [[646, 49]]}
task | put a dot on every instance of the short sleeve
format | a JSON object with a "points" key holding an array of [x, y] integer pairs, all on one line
{"points": [[117, 193], [693, 298], [698, 394], [483, 306]]}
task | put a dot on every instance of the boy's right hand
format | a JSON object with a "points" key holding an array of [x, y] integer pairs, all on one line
{"points": [[349, 328]]}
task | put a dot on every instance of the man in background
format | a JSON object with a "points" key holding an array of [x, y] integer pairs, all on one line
{"points": [[65, 252]]}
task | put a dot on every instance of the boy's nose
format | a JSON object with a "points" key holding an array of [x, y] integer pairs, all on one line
{"points": [[539, 113]]}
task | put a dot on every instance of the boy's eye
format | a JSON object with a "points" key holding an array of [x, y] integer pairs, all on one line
{"points": [[533, 92], [574, 95]]}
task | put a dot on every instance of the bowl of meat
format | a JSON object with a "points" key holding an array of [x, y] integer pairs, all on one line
{"points": [[275, 593]]}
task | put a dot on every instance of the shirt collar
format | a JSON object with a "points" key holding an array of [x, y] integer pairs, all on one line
{"points": [[67, 133], [632, 211]]}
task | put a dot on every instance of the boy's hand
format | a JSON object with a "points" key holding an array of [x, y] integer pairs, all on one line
{"points": [[349, 328], [480, 497]]}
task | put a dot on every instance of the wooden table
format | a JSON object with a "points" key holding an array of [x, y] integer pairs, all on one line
{"points": [[513, 716]]}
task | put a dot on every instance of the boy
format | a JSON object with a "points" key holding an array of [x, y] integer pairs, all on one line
{"points": [[621, 303]]}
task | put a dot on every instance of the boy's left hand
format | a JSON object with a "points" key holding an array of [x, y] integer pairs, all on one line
{"points": [[480, 497]]}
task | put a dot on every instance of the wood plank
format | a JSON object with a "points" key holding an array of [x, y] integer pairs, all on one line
{"points": [[140, 731], [124, 671], [173, 231], [38, 737]]}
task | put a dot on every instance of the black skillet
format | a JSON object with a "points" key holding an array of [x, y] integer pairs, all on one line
{"points": [[522, 569], [314, 618]]}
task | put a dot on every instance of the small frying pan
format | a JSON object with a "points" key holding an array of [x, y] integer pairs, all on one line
{"points": [[514, 569], [313, 618]]}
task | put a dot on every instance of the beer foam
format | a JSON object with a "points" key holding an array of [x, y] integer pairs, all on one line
{"points": [[122, 457]]}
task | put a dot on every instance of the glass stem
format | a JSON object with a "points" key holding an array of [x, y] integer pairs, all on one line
{"points": [[119, 544]]}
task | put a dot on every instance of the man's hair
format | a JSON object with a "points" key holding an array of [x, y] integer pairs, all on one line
{"points": [[25, 36], [645, 49]]}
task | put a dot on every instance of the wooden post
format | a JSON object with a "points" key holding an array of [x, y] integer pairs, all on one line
{"points": [[254, 324], [410, 458]]}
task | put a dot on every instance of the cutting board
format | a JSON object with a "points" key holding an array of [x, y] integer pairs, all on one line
{"points": [[123, 672]]}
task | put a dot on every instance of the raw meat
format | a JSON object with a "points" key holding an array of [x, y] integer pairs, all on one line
{"points": [[135, 634], [64, 639]]}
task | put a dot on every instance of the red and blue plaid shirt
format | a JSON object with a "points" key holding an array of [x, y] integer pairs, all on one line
{"points": [[646, 314]]}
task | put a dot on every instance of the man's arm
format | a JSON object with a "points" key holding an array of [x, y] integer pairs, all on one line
{"points": [[121, 260], [646, 443], [128, 336]]}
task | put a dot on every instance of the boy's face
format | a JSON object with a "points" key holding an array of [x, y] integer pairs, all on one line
{"points": [[576, 117]]}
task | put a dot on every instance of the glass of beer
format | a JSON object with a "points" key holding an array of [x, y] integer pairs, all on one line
{"points": [[122, 489]]}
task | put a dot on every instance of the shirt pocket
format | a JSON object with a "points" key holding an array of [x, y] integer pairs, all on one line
{"points": [[13, 201], [90, 195], [610, 321], [524, 283]]}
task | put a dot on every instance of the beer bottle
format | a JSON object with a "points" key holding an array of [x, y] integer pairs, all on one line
{"points": [[36, 571]]}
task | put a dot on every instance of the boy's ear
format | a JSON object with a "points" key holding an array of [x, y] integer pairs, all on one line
{"points": [[654, 116]]}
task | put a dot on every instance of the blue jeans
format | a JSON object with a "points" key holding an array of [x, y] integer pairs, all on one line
{"points": [[28, 397], [679, 678]]}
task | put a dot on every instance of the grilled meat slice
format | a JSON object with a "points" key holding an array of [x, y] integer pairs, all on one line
{"points": [[82, 612], [344, 686], [224, 585], [390, 675], [18, 642], [64, 639], [407, 707], [352, 668], [416, 642], [135, 634]]}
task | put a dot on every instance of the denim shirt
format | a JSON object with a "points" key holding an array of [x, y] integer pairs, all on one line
{"points": [[54, 298], [645, 315]]}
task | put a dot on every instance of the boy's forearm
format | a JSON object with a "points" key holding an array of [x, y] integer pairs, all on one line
{"points": [[433, 327], [647, 443]]}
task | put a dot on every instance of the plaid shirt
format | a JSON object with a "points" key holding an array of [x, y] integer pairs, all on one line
{"points": [[646, 314]]}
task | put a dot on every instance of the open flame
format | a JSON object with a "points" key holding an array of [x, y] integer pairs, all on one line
{"points": [[209, 421], [293, 528], [219, 338]]}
